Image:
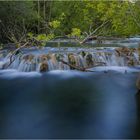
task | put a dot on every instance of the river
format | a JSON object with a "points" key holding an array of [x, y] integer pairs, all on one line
{"points": [[70, 104]]}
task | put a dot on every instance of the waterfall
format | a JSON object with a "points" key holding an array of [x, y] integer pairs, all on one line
{"points": [[84, 59]]}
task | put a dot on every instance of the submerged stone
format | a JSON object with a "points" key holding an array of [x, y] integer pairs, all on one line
{"points": [[43, 67], [89, 60], [28, 57], [131, 62], [53, 58], [83, 53], [43, 57], [72, 60]]}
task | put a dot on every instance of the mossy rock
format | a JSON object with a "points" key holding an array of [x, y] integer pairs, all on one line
{"points": [[43, 67]]}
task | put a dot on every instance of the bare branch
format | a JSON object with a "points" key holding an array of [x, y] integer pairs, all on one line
{"points": [[79, 68], [104, 23]]}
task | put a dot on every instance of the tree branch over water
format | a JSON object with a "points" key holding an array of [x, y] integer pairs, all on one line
{"points": [[102, 25], [79, 68]]}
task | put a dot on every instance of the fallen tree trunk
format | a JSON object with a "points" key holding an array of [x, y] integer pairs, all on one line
{"points": [[79, 68], [75, 67]]}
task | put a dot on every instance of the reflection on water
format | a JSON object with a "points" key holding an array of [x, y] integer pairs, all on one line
{"points": [[64, 104]]}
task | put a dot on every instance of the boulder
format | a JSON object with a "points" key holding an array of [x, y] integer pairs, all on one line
{"points": [[89, 60], [72, 60], [43, 67]]}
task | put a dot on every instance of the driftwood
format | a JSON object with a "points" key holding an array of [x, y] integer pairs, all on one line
{"points": [[14, 52], [75, 67], [19, 48], [79, 68]]}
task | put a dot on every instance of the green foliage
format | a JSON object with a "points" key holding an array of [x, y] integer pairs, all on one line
{"points": [[43, 38], [54, 24], [40, 39], [76, 32], [1, 46], [16, 17], [30, 35], [88, 15], [57, 18]]}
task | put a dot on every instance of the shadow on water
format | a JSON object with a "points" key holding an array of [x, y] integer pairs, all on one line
{"points": [[137, 135], [67, 105]]}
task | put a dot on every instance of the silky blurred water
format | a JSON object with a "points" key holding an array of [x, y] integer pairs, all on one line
{"points": [[69, 104]]}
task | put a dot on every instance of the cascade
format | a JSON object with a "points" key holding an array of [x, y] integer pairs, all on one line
{"points": [[51, 60]]}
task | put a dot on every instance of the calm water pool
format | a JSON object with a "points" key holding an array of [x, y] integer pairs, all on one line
{"points": [[69, 104]]}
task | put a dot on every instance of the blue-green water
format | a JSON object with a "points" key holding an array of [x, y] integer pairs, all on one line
{"points": [[69, 104]]}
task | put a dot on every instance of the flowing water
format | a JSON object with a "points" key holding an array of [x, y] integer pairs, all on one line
{"points": [[32, 60], [66, 103]]}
